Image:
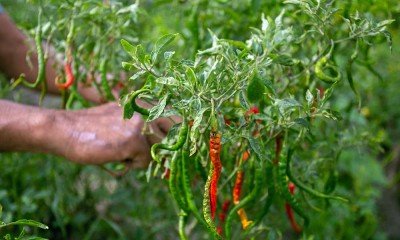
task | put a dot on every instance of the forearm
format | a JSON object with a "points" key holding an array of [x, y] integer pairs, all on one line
{"points": [[26, 128], [15, 47]]}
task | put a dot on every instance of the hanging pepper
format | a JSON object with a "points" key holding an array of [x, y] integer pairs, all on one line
{"points": [[225, 207], [69, 77], [323, 64], [258, 180], [179, 143], [289, 210], [236, 194], [215, 150], [286, 194], [206, 205], [222, 215], [303, 186], [134, 106]]}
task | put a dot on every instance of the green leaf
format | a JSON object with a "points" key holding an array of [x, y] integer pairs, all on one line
{"points": [[243, 101], [284, 104], [334, 115], [137, 75], [388, 39], [26, 222], [284, 60], [127, 66], [257, 148], [170, 81], [168, 55], [255, 90], [302, 122], [191, 76], [161, 44], [349, 73], [238, 44], [385, 22], [194, 130], [269, 85], [129, 48], [128, 109], [141, 54], [157, 110], [309, 98]]}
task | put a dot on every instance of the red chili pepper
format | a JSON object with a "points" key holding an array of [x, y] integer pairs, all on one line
{"points": [[289, 210], [120, 85], [254, 110], [225, 207], [219, 229], [227, 121], [167, 174], [215, 150], [69, 76]]}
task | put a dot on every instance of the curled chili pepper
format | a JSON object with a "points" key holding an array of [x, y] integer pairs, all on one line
{"points": [[321, 65], [69, 77], [135, 107], [179, 143]]}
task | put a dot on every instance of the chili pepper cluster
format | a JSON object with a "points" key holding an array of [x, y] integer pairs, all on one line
{"points": [[269, 180]]}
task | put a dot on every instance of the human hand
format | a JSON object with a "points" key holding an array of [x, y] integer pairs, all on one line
{"points": [[99, 135]]}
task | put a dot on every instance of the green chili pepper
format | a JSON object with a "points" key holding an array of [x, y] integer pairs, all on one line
{"points": [[181, 141], [268, 201], [103, 80], [206, 205], [321, 65], [186, 182], [173, 181], [41, 77], [182, 223], [304, 187], [135, 107], [245, 201], [282, 179]]}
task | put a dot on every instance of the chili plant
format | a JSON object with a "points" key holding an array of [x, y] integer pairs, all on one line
{"points": [[257, 110], [289, 69]]}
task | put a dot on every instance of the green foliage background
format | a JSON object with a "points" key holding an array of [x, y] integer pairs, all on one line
{"points": [[82, 202]]}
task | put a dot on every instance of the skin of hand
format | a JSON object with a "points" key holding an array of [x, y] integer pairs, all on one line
{"points": [[91, 136]]}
